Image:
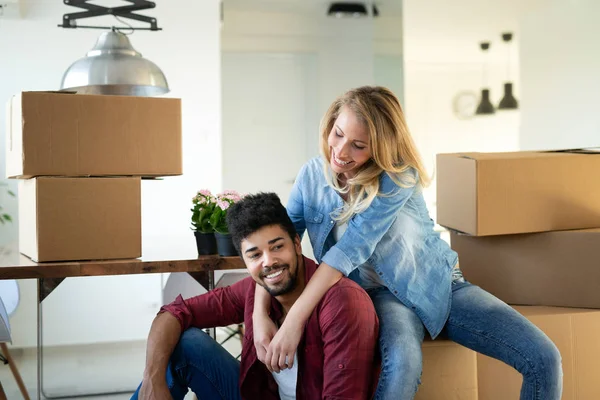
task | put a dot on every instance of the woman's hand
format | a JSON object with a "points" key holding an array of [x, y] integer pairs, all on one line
{"points": [[263, 330], [281, 351]]}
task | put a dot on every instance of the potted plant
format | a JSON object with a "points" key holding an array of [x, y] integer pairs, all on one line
{"points": [[203, 206], [218, 222]]}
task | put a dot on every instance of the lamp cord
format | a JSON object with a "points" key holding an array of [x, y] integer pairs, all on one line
{"points": [[120, 29]]}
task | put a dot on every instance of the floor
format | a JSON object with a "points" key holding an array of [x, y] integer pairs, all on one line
{"points": [[80, 371]]}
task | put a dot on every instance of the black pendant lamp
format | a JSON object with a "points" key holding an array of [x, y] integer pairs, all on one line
{"points": [[508, 102], [485, 106]]}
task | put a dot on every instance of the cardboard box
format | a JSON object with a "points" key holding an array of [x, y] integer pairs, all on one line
{"points": [[66, 134], [449, 372], [575, 333], [522, 192], [545, 269], [68, 219]]}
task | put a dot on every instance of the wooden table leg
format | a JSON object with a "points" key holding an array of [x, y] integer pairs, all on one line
{"points": [[14, 370], [2, 394]]}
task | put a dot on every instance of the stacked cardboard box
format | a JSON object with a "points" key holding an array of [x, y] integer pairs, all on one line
{"points": [[449, 372], [526, 227], [80, 160]]}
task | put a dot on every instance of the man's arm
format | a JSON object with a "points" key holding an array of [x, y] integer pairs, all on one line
{"points": [[164, 335], [350, 330], [220, 307]]}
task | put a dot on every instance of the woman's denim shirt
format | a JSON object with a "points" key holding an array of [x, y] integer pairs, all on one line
{"points": [[394, 235]]}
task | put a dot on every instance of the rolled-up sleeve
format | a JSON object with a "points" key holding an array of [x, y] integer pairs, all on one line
{"points": [[366, 229], [295, 203], [219, 307], [350, 331]]}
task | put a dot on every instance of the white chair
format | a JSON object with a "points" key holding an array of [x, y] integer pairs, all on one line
{"points": [[9, 300]]}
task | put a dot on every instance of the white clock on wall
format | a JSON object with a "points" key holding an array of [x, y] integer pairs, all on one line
{"points": [[464, 104]]}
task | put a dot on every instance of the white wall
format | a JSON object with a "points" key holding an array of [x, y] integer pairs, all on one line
{"points": [[287, 62], [442, 59], [344, 47], [560, 64], [348, 52], [35, 53]]}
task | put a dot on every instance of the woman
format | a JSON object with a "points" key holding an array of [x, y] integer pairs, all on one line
{"points": [[362, 205]]}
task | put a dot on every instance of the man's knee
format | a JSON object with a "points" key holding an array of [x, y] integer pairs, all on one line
{"points": [[192, 341]]}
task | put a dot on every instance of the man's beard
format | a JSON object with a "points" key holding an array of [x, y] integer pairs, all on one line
{"points": [[283, 287]]}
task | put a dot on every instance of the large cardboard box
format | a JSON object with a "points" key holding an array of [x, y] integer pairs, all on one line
{"points": [[522, 192], [575, 333], [449, 372], [559, 268], [68, 219], [67, 134]]}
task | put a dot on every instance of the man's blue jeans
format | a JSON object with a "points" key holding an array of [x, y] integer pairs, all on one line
{"points": [[204, 366], [478, 321]]}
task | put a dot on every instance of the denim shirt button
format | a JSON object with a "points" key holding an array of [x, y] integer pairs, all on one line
{"points": [[395, 292]]}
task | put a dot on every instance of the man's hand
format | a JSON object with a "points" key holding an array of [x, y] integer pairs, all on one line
{"points": [[154, 390], [263, 330], [282, 349]]}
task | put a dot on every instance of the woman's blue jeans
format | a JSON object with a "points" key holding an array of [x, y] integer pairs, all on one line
{"points": [[478, 321]]}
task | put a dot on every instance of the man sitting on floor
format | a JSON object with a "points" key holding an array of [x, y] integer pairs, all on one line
{"points": [[335, 358]]}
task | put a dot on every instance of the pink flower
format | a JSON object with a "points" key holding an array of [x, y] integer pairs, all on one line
{"points": [[223, 205], [230, 195], [205, 192]]}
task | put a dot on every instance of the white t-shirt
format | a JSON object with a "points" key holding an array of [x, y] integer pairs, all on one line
{"points": [[287, 380]]}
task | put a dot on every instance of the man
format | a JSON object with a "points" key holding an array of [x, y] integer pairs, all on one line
{"points": [[336, 355]]}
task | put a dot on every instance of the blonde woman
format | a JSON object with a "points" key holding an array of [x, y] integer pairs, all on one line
{"points": [[362, 206]]}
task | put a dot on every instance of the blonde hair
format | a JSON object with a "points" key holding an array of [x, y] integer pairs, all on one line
{"points": [[393, 150]]}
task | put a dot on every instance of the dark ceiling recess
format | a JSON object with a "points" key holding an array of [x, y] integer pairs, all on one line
{"points": [[343, 9]]}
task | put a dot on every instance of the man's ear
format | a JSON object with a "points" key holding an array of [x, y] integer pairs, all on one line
{"points": [[298, 244]]}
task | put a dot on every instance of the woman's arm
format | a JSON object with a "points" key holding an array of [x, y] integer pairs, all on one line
{"points": [[358, 243], [366, 229], [287, 338], [263, 328]]}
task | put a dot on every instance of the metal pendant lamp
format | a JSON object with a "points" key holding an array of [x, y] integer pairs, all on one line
{"points": [[114, 67], [485, 106], [508, 102]]}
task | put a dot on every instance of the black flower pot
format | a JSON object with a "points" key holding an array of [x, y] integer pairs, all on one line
{"points": [[206, 243], [225, 244]]}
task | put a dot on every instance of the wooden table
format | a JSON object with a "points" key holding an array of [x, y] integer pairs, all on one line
{"points": [[49, 275]]}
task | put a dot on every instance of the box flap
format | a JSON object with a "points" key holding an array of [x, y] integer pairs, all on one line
{"points": [[477, 156], [587, 150], [456, 192], [28, 223]]}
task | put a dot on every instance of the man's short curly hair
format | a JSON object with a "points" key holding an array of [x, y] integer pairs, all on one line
{"points": [[254, 212]]}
